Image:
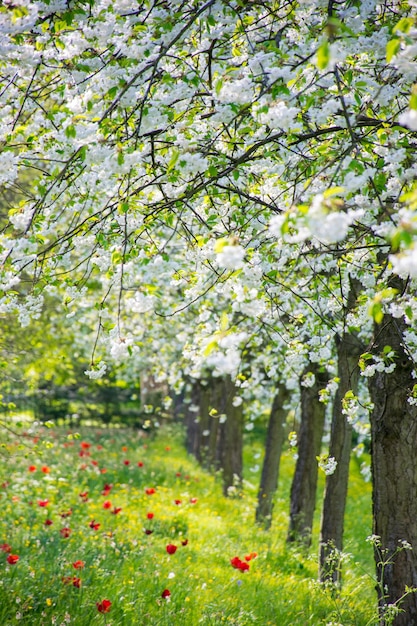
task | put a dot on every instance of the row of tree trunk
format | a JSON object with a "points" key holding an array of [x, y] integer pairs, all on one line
{"points": [[215, 438]]}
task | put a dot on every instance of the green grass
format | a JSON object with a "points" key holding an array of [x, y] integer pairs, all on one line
{"points": [[131, 568]]}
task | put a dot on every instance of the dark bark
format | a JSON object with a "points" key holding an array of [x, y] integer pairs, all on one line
{"points": [[394, 470], [304, 484], [270, 469], [231, 439], [332, 523]]}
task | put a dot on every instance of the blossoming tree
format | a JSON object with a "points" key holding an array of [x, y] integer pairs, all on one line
{"points": [[264, 153]]}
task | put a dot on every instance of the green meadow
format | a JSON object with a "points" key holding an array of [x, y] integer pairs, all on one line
{"points": [[110, 526]]}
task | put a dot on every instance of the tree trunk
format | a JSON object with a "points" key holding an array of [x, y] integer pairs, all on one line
{"points": [[394, 470], [270, 469], [231, 440], [331, 537], [304, 484]]}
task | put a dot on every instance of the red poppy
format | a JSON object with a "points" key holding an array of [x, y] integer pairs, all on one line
{"points": [[150, 515], [12, 559], [193, 500], [85, 445], [65, 532], [66, 514], [177, 502], [147, 531], [171, 548], [84, 496], [238, 564], [251, 556], [78, 564], [166, 593], [184, 542], [103, 606], [126, 462], [45, 469], [167, 448], [106, 489], [124, 448], [140, 464], [103, 470], [43, 502], [99, 447], [5, 547], [95, 525], [178, 474], [107, 504], [32, 468], [116, 510], [149, 491], [72, 580], [48, 522], [95, 463]]}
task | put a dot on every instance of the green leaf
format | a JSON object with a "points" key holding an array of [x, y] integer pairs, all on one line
{"points": [[392, 48], [323, 55]]}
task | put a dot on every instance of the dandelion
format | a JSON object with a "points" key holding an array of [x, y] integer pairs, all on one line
{"points": [[103, 606]]}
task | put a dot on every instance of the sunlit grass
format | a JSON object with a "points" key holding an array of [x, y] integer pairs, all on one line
{"points": [[100, 487]]}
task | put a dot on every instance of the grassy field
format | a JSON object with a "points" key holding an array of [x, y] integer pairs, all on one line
{"points": [[110, 527]]}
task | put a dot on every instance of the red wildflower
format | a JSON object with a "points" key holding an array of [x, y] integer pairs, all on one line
{"points": [[106, 489], [103, 470], [167, 448], [72, 580], [43, 502], [103, 606], [12, 559], [147, 531], [149, 491], [238, 564], [95, 463], [48, 522], [116, 510], [45, 469], [184, 542], [126, 462], [85, 445], [4, 547], [171, 548], [84, 496], [99, 447], [124, 448], [65, 532], [140, 464], [150, 515], [32, 468], [178, 474], [78, 564], [177, 502], [251, 556], [193, 500], [107, 504], [66, 514], [166, 593], [95, 525]]}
